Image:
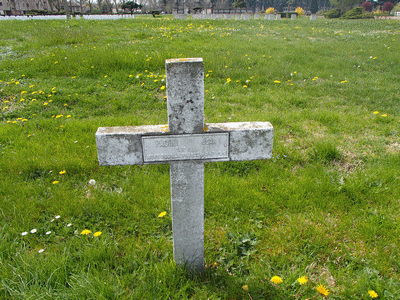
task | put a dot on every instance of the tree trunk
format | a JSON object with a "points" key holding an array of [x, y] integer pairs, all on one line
{"points": [[66, 7]]}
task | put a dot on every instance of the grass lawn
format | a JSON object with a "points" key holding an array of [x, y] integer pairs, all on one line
{"points": [[326, 206]]}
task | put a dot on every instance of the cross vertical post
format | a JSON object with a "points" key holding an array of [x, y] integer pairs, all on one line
{"points": [[185, 104]]}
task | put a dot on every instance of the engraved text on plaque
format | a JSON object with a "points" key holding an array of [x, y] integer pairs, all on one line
{"points": [[185, 147]]}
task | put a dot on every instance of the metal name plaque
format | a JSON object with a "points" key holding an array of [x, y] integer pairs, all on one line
{"points": [[185, 147]]}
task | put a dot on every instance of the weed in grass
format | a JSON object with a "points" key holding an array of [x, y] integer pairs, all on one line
{"points": [[326, 152]]}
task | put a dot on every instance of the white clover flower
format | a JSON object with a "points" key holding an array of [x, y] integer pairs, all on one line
{"points": [[92, 182], [69, 225], [33, 230], [57, 217], [24, 233], [48, 232], [41, 251]]}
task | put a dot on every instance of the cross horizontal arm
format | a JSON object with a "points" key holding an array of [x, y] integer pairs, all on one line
{"points": [[138, 145]]}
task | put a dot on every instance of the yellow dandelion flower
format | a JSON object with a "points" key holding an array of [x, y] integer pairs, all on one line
{"points": [[58, 116], [245, 86], [207, 75], [162, 214], [376, 112], [276, 280], [69, 116], [344, 81], [228, 80], [302, 280], [245, 287], [384, 115], [45, 103], [55, 182], [98, 233], [86, 232], [62, 172], [373, 294], [277, 81], [105, 76], [162, 88], [322, 290]]}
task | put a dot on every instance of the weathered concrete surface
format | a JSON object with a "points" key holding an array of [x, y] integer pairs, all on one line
{"points": [[185, 103], [187, 201], [119, 149], [269, 16], [123, 145], [247, 140], [185, 94]]}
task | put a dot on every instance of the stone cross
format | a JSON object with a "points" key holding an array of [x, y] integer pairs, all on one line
{"points": [[185, 143]]}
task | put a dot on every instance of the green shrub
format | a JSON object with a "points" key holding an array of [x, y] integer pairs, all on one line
{"points": [[287, 14], [355, 13], [35, 12], [333, 13]]}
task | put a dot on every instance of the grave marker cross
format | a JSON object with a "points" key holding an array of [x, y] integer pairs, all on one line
{"points": [[185, 143]]}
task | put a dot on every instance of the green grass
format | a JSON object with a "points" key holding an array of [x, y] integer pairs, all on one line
{"points": [[325, 206]]}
